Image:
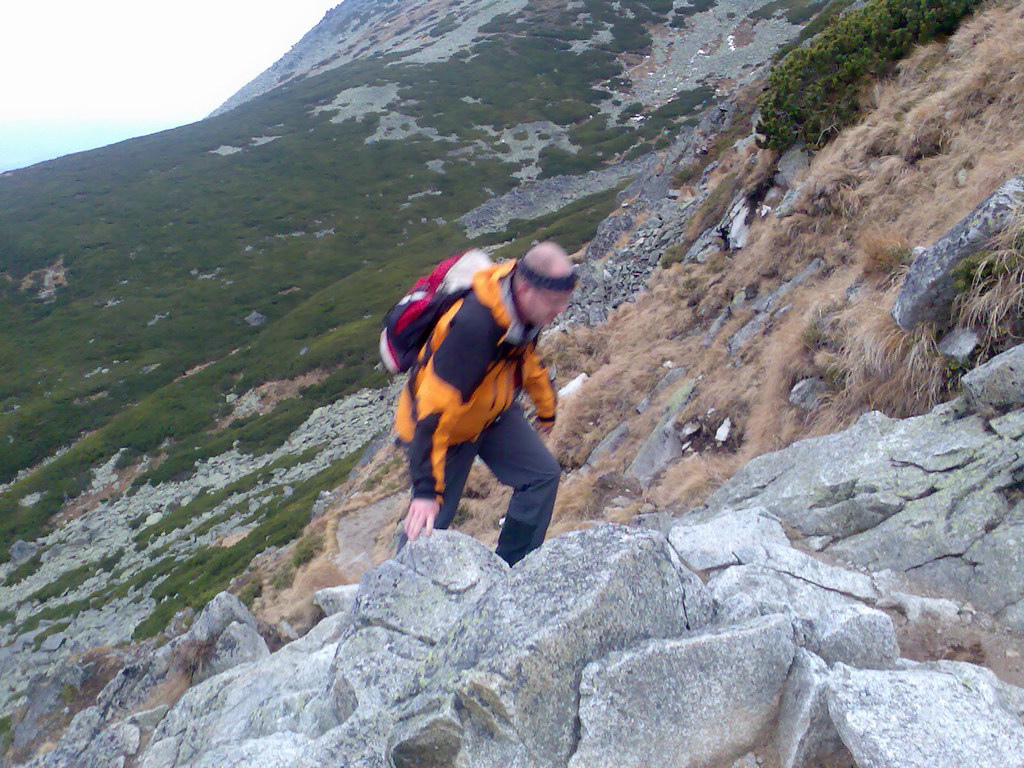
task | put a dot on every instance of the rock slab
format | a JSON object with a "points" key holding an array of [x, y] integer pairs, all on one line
{"points": [[999, 383], [922, 719], [690, 702], [928, 291]]}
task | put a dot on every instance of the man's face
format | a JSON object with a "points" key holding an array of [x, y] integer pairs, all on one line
{"points": [[542, 306]]}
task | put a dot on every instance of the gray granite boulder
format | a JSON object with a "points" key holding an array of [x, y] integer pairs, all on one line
{"points": [[291, 691], [609, 444], [663, 446], [928, 290], [501, 689], [807, 393], [999, 383], [22, 550], [792, 163], [333, 696], [1008, 697], [829, 606], [806, 735], [785, 208], [423, 590], [670, 378], [930, 496], [730, 538], [91, 741], [332, 600], [922, 719], [959, 343], [854, 634], [699, 700], [225, 609], [238, 644], [45, 699]]}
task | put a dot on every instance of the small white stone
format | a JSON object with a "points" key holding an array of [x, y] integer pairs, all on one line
{"points": [[572, 387]]}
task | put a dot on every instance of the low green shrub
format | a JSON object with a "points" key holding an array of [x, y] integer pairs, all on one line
{"points": [[6, 735], [210, 570], [674, 254], [68, 581], [54, 613], [250, 592], [813, 92], [306, 549]]}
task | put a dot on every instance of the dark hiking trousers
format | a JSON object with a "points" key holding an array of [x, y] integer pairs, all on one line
{"points": [[514, 452]]}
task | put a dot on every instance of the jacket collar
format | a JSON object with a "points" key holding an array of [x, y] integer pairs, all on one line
{"points": [[493, 287]]}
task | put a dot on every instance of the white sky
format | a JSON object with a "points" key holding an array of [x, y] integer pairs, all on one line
{"points": [[77, 74]]}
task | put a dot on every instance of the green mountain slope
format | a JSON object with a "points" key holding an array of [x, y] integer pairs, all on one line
{"points": [[281, 207]]}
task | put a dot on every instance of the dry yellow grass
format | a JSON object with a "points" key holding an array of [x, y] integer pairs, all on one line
{"points": [[994, 300]]}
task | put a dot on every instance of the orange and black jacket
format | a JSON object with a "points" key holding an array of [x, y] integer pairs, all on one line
{"points": [[468, 374]]}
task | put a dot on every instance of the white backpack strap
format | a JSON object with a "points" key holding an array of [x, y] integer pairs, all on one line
{"points": [[460, 276]]}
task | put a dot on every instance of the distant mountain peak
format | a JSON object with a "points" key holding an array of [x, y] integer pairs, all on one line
{"points": [[418, 31]]}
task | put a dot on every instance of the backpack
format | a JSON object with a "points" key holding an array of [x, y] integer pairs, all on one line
{"points": [[408, 324]]}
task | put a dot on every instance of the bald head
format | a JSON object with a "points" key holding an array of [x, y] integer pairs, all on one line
{"points": [[548, 259], [543, 296]]}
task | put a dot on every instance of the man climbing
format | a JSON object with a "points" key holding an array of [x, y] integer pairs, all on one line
{"points": [[461, 400]]}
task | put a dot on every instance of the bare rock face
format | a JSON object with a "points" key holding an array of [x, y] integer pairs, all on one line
{"points": [[238, 644], [929, 288], [807, 393], [601, 648], [663, 446], [807, 737], [959, 343], [332, 600], [511, 667], [999, 383], [732, 675], [731, 538], [922, 719], [930, 496]]}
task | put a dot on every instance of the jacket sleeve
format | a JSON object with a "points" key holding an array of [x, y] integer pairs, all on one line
{"points": [[538, 385], [454, 371]]}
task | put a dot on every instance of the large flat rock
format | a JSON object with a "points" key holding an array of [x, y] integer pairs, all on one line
{"points": [[695, 701], [922, 719]]}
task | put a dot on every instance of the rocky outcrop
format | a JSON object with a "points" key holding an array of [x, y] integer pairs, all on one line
{"points": [[604, 647], [223, 637], [732, 675], [769, 306], [512, 667], [950, 721], [532, 201], [329, 435], [665, 444], [929, 288], [613, 272], [935, 497], [999, 383]]}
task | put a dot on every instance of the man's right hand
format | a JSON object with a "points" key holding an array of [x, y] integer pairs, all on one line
{"points": [[420, 517]]}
